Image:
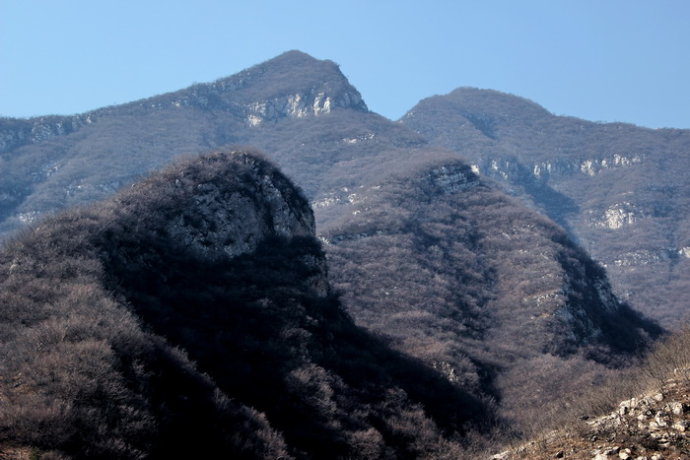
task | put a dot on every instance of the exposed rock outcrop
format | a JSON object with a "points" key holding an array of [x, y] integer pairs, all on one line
{"points": [[17, 132], [652, 426], [220, 214]]}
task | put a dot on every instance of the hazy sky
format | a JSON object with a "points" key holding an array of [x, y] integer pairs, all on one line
{"points": [[603, 60]]}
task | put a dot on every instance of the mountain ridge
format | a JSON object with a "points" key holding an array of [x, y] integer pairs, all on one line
{"points": [[458, 241], [484, 290], [498, 98], [192, 120], [191, 315], [285, 69], [618, 189]]}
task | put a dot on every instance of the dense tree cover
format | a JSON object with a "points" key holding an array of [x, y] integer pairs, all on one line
{"points": [[620, 190], [480, 287], [120, 339], [81, 376]]}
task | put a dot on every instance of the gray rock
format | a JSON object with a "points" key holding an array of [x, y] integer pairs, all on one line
{"points": [[227, 217]]}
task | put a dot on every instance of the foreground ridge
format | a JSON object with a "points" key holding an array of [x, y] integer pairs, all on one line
{"points": [[190, 316]]}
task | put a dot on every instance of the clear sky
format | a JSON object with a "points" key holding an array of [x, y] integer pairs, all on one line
{"points": [[602, 60]]}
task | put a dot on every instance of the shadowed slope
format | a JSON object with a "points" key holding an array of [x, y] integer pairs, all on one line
{"points": [[215, 256]]}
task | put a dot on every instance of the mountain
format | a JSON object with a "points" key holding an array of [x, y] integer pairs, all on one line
{"points": [[620, 190], [485, 290], [432, 259], [190, 316], [63, 161]]}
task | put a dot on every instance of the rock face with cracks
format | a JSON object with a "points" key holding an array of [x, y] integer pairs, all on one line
{"points": [[217, 216]]}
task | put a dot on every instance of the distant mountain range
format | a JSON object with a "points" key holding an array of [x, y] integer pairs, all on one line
{"points": [[470, 287]]}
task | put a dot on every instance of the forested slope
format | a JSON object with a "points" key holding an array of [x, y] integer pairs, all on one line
{"points": [[620, 190], [191, 315]]}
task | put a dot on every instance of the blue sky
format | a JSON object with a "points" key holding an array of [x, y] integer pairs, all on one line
{"points": [[605, 60]]}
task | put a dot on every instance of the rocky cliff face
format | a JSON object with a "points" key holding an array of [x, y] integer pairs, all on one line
{"points": [[292, 85], [217, 216]]}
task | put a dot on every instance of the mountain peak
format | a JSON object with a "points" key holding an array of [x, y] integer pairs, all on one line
{"points": [[207, 192], [296, 56], [483, 106], [496, 101], [293, 84]]}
